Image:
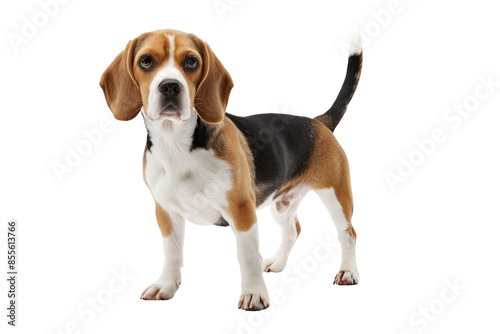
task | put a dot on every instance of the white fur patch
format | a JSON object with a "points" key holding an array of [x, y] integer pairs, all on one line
{"points": [[192, 184], [356, 47]]}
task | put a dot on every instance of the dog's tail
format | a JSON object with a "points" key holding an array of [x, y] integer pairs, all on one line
{"points": [[333, 116]]}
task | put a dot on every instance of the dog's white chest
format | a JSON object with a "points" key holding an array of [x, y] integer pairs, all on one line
{"points": [[192, 184]]}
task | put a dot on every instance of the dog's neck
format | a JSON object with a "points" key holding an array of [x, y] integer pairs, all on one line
{"points": [[181, 137], [171, 135]]}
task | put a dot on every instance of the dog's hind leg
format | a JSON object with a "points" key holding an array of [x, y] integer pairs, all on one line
{"points": [[329, 176], [340, 209], [284, 212]]}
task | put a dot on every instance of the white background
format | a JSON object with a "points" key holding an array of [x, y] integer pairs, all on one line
{"points": [[440, 225]]}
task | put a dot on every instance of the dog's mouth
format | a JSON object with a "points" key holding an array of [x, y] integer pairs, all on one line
{"points": [[170, 105], [170, 108], [170, 111]]}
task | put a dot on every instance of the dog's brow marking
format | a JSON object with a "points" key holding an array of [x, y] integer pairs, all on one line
{"points": [[171, 51]]}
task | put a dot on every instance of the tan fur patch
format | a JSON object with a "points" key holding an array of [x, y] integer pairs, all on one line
{"points": [[233, 149], [350, 230], [328, 168], [144, 165], [297, 227], [164, 221]]}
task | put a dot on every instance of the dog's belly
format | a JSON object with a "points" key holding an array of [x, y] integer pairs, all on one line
{"points": [[194, 189]]}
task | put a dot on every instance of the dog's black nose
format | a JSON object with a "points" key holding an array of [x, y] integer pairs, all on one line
{"points": [[170, 87]]}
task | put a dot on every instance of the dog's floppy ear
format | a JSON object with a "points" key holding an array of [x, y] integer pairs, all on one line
{"points": [[119, 86], [213, 91]]}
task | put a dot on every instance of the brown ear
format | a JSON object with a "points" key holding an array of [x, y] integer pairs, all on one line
{"points": [[120, 89], [212, 94]]}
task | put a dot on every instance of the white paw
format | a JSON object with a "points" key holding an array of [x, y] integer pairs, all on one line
{"points": [[254, 301], [274, 264], [347, 277], [161, 290]]}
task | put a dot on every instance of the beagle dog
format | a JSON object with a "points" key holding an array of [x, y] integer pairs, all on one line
{"points": [[213, 168]]}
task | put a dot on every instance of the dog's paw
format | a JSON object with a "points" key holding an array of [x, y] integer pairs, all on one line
{"points": [[274, 265], [253, 301], [346, 277], [160, 290]]}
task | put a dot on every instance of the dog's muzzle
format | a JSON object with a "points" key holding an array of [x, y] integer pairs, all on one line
{"points": [[170, 90]]}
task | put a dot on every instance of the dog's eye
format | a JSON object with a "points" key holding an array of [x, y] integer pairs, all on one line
{"points": [[191, 63], [146, 62]]}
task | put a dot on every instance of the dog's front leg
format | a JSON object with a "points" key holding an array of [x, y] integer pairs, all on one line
{"points": [[172, 230], [254, 294]]}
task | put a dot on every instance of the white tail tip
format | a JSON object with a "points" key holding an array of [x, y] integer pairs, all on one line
{"points": [[356, 47]]}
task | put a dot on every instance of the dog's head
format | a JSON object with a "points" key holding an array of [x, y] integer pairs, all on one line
{"points": [[171, 75]]}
